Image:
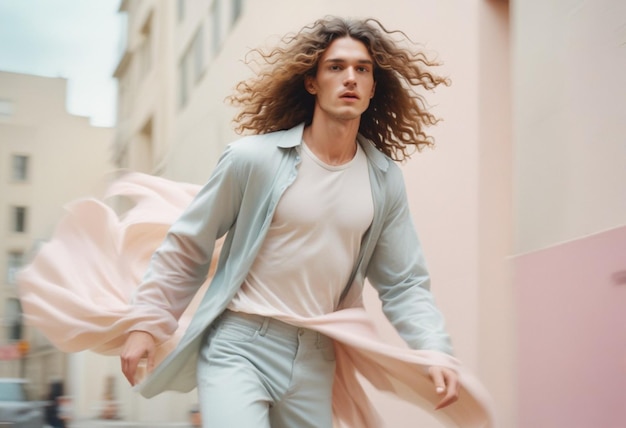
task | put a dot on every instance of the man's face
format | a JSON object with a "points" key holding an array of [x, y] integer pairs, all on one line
{"points": [[344, 83]]}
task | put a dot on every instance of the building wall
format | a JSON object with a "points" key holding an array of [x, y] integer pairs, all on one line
{"points": [[570, 99], [495, 308], [570, 90], [68, 158], [572, 333]]}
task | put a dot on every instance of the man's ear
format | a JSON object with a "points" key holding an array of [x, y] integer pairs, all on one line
{"points": [[373, 91], [309, 85]]}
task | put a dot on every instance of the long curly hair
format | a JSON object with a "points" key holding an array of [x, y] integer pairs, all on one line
{"points": [[276, 99]]}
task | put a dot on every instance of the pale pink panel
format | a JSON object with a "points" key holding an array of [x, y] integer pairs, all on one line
{"points": [[572, 333]]}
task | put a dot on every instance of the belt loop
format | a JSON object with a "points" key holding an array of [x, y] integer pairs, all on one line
{"points": [[265, 326]]}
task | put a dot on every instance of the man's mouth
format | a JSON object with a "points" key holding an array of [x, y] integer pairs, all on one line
{"points": [[349, 96]]}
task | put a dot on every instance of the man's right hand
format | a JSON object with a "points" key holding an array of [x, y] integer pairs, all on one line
{"points": [[138, 345]]}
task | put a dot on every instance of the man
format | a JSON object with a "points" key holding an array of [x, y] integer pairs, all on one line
{"points": [[310, 206]]}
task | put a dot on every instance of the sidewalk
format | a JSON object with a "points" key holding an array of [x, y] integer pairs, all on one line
{"points": [[99, 423]]}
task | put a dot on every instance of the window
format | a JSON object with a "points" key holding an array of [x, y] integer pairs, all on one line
{"points": [[143, 151], [20, 167], [191, 67], [19, 219], [14, 319], [216, 26], [6, 109], [180, 10], [15, 260], [145, 49], [198, 55], [236, 10], [183, 83]]}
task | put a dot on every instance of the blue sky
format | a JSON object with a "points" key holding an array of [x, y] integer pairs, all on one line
{"points": [[75, 39]]}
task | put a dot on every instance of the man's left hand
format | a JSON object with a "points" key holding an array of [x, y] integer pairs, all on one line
{"points": [[446, 384]]}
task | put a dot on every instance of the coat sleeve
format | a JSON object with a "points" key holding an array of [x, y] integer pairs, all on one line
{"points": [[398, 272], [180, 265]]}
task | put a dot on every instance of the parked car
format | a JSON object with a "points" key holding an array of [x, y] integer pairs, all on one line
{"points": [[15, 407]]}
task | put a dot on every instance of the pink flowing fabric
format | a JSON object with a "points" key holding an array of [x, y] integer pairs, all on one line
{"points": [[77, 288]]}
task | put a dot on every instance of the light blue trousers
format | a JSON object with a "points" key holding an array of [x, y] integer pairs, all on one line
{"points": [[258, 372]]}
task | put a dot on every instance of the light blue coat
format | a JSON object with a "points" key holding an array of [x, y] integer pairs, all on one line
{"points": [[239, 200]]}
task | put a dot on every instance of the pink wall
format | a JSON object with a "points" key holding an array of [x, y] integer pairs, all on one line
{"points": [[572, 333]]}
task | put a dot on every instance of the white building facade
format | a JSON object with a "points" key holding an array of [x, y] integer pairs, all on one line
{"points": [[47, 158]]}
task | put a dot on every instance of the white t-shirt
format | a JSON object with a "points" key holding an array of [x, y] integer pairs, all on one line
{"points": [[313, 242]]}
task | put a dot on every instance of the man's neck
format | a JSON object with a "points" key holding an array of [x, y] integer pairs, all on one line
{"points": [[332, 142]]}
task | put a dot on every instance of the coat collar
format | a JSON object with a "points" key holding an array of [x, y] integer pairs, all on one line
{"points": [[293, 138]]}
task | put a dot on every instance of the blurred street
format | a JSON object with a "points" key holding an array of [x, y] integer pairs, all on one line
{"points": [[95, 423]]}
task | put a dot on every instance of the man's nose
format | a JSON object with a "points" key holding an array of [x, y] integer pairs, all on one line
{"points": [[350, 77]]}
